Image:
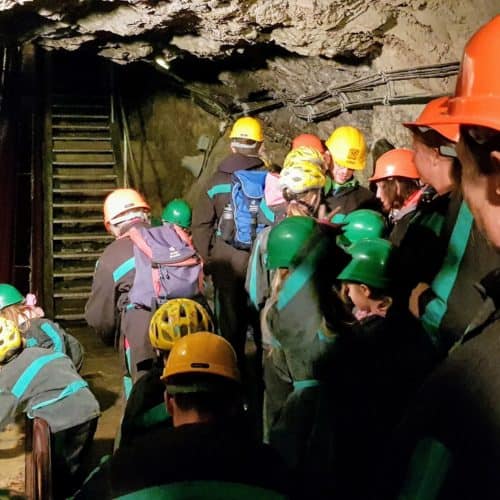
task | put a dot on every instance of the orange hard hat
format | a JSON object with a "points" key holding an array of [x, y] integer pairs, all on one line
{"points": [[434, 110], [120, 201], [477, 94], [310, 140], [395, 163]]}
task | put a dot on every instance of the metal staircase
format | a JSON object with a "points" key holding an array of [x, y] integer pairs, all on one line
{"points": [[80, 170]]}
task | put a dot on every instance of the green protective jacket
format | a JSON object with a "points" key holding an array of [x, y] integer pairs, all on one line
{"points": [[295, 317], [258, 278], [457, 414], [444, 248], [45, 333], [45, 384]]}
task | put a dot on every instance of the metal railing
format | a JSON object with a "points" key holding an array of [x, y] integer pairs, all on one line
{"points": [[119, 119]]}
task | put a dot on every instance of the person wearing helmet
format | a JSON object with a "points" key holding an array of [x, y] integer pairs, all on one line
{"points": [[310, 141], [360, 225], [313, 142], [302, 183], [208, 452], [398, 189], [367, 375], [145, 409], [442, 239], [215, 217], [301, 255], [36, 330], [455, 418], [305, 153], [177, 212], [347, 149], [258, 277], [44, 383], [108, 310]]}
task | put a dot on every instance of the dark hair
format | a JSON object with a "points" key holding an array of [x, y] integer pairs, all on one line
{"points": [[481, 151], [430, 137], [221, 397], [380, 147], [406, 188]]}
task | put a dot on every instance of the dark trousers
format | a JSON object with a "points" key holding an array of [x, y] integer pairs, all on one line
{"points": [[68, 449]]}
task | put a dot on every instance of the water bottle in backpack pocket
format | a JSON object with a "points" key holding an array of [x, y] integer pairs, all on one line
{"points": [[166, 267]]}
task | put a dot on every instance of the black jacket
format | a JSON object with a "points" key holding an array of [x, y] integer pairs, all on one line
{"points": [[368, 376], [459, 406], [220, 452], [219, 256], [351, 198]]}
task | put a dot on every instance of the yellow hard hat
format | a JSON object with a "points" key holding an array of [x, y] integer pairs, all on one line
{"points": [[301, 177], [176, 318], [10, 339], [304, 153], [247, 128], [347, 146], [202, 352]]}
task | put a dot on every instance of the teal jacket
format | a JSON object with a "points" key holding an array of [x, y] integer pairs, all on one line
{"points": [[45, 384]]}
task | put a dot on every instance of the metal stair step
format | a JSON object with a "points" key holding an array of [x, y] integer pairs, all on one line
{"points": [[74, 274], [89, 206], [80, 138], [88, 192], [79, 116], [70, 317], [88, 177], [80, 127], [76, 255], [71, 295], [82, 151], [96, 164], [82, 237], [82, 220]]}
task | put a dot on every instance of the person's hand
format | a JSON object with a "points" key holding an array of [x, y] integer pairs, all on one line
{"points": [[415, 296], [323, 216]]}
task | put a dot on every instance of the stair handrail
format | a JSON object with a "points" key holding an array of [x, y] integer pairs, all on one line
{"points": [[119, 117]]}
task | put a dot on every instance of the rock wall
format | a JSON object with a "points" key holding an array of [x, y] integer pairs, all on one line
{"points": [[238, 50]]}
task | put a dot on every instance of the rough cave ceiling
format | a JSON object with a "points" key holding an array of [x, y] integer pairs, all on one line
{"points": [[360, 30], [304, 46]]}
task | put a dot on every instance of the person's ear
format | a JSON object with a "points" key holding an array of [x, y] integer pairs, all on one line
{"points": [[169, 401], [365, 290], [495, 177]]}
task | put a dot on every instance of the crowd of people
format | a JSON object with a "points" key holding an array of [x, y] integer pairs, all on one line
{"points": [[374, 312]]}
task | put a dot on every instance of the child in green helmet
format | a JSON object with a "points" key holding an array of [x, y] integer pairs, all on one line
{"points": [[36, 330], [371, 371], [44, 384], [178, 213]]}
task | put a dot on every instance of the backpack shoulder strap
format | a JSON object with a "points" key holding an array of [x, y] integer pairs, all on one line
{"points": [[139, 241]]}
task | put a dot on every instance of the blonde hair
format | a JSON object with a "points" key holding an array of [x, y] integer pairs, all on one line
{"points": [[20, 314]]}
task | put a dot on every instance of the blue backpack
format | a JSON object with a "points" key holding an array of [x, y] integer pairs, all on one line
{"points": [[166, 267], [243, 220]]}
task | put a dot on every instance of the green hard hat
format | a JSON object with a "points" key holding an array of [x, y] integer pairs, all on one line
{"points": [[177, 212], [361, 224], [369, 263], [9, 295], [286, 239]]}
